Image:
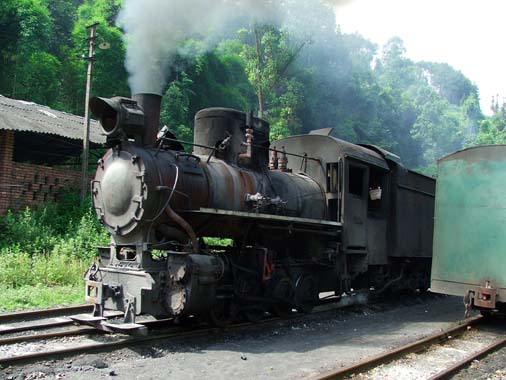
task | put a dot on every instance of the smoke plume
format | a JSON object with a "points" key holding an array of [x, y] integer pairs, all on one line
{"points": [[156, 29]]}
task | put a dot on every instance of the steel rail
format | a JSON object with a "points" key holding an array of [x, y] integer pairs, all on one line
{"points": [[388, 356], [7, 329], [131, 341], [56, 322], [17, 315], [57, 334], [447, 373], [78, 331]]}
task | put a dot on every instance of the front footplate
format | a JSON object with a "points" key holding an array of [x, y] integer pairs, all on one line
{"points": [[103, 324], [99, 319]]}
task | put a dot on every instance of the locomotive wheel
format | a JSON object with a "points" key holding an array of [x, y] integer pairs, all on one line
{"points": [[254, 315], [306, 292], [284, 294], [282, 310], [486, 314], [222, 314]]}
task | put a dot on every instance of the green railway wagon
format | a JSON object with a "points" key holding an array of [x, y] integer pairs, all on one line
{"points": [[469, 231]]}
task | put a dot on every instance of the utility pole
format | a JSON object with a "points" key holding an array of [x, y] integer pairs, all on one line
{"points": [[86, 138]]}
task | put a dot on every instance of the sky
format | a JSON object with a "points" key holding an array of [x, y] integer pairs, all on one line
{"points": [[467, 34]]}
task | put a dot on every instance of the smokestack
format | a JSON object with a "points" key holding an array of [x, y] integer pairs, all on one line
{"points": [[150, 104]]}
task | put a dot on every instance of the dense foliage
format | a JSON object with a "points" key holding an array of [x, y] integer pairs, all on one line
{"points": [[297, 80], [44, 252]]}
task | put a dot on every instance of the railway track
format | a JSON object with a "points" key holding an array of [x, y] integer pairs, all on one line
{"points": [[369, 364], [11, 323], [164, 329], [158, 330], [155, 335], [44, 323], [31, 314]]}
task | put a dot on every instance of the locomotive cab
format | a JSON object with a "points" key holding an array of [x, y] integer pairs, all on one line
{"points": [[386, 210]]}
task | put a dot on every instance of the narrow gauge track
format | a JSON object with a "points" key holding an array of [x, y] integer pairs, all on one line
{"points": [[174, 332], [418, 346], [171, 332], [131, 341], [38, 313], [42, 324], [56, 334], [82, 330], [164, 330]]}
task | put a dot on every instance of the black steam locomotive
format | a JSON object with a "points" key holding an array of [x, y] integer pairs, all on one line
{"points": [[300, 216]]}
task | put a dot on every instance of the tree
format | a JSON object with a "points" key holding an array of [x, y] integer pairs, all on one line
{"points": [[269, 55], [448, 82], [215, 79], [27, 69], [109, 73], [175, 106]]}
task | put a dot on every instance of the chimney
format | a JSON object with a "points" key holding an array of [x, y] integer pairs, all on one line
{"points": [[150, 104]]}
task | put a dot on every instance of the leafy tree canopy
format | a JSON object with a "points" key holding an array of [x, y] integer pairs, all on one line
{"points": [[297, 78]]}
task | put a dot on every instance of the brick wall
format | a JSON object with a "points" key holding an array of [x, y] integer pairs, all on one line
{"points": [[24, 184], [6, 151]]}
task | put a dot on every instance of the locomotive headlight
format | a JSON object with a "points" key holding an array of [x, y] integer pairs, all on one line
{"points": [[121, 118]]}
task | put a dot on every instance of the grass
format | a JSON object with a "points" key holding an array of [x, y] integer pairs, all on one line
{"points": [[40, 296], [44, 253]]}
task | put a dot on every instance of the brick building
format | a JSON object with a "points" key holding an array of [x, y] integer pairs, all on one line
{"points": [[40, 150]]}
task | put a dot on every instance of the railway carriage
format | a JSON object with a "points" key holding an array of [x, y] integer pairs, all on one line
{"points": [[469, 238]]}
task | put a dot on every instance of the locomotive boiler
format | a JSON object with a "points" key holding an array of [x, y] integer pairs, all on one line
{"points": [[297, 217]]}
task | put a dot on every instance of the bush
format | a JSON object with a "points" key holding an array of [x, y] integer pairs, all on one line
{"points": [[18, 268], [39, 296], [50, 245], [83, 242]]}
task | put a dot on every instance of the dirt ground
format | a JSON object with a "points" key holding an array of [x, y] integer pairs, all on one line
{"points": [[301, 349]]}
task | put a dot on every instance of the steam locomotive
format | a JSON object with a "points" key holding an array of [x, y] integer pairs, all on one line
{"points": [[296, 217]]}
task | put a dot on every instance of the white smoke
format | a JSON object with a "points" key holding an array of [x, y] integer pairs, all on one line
{"points": [[156, 29]]}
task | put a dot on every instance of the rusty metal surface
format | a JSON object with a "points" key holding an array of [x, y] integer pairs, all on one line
{"points": [[25, 338], [214, 125], [150, 104], [485, 297], [29, 314], [449, 372], [19, 115], [401, 351]]}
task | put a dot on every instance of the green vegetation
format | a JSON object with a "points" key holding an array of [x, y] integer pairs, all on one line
{"points": [[45, 252], [220, 242], [302, 76], [40, 296]]}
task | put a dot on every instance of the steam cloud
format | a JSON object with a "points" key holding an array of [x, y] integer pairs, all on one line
{"points": [[155, 29]]}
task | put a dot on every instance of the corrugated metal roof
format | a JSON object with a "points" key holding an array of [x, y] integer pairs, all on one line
{"points": [[19, 115]]}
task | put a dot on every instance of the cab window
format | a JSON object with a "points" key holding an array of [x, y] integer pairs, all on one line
{"points": [[356, 180]]}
